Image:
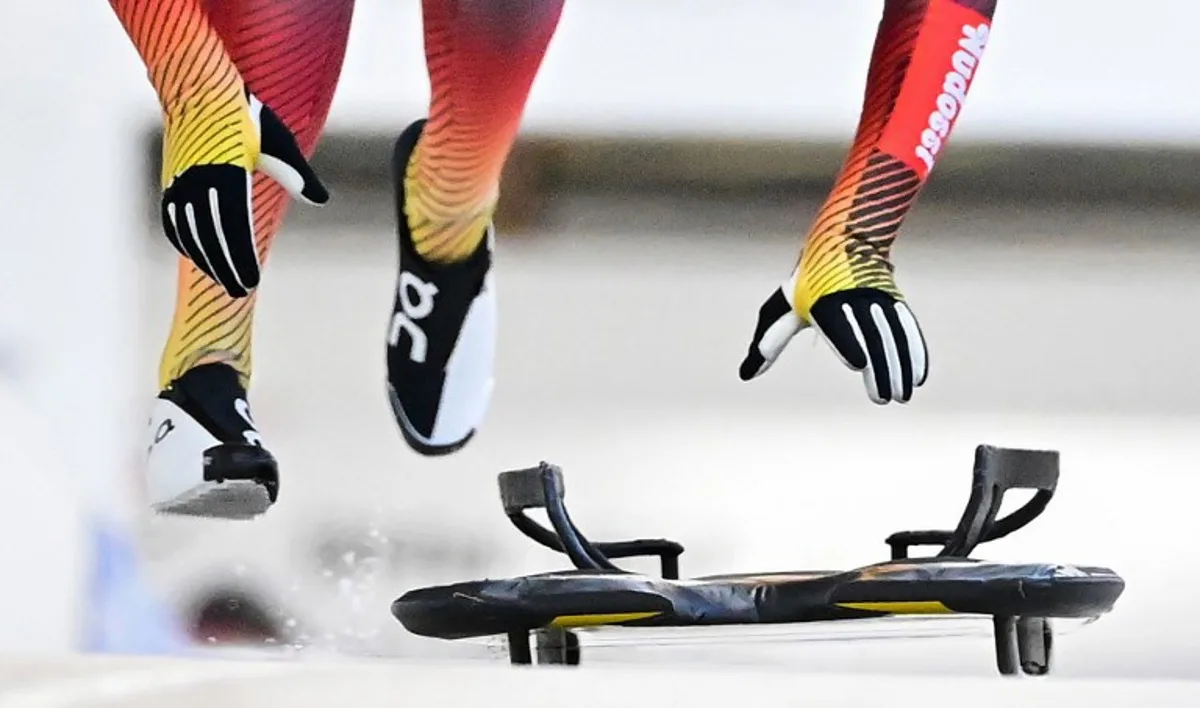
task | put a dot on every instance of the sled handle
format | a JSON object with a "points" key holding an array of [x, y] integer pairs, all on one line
{"points": [[542, 487], [997, 470]]}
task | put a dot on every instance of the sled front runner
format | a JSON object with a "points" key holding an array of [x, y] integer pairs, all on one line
{"points": [[1020, 599]]}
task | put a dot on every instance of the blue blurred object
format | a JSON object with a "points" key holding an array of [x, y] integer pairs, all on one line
{"points": [[121, 613]]}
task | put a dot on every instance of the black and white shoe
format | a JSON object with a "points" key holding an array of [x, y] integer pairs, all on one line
{"points": [[205, 456], [442, 336]]}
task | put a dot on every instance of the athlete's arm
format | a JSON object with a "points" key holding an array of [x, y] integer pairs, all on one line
{"points": [[215, 136], [923, 64], [196, 81]]}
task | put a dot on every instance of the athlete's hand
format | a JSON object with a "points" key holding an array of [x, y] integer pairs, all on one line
{"points": [[870, 329], [209, 158]]}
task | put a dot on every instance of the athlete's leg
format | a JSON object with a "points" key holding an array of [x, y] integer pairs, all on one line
{"points": [[482, 56], [290, 54]]}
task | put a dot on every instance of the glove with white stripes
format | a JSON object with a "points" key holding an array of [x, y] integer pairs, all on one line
{"points": [[871, 330], [207, 209]]}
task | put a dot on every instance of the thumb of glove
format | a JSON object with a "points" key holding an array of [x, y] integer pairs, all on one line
{"points": [[281, 158], [778, 322]]}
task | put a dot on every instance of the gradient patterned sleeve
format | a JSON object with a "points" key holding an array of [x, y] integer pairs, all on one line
{"points": [[924, 61], [198, 85]]}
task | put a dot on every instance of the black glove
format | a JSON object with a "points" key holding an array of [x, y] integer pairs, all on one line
{"points": [[869, 329], [207, 203]]}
